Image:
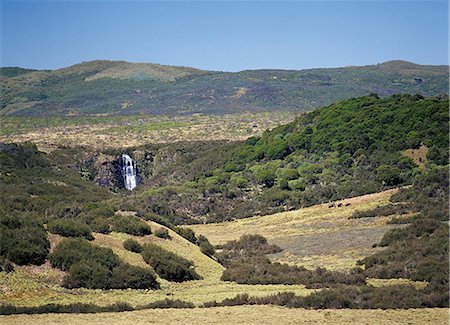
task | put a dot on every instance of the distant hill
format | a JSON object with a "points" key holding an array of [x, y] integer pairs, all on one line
{"points": [[117, 87]]}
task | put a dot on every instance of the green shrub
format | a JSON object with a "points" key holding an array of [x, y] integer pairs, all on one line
{"points": [[130, 225], [73, 250], [94, 267], [168, 303], [77, 308], [205, 246], [5, 265], [134, 277], [297, 185], [23, 241], [132, 245], [101, 225], [168, 265], [70, 228], [186, 233], [162, 233]]}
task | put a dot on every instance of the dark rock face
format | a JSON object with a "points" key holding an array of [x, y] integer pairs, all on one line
{"points": [[104, 170], [109, 172]]}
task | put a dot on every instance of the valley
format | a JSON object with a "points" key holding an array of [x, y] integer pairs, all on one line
{"points": [[317, 236], [249, 215]]}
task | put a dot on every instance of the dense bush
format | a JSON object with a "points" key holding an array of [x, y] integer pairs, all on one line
{"points": [[205, 246], [246, 263], [383, 210], [347, 149], [72, 250], [420, 250], [82, 308], [95, 267], [130, 225], [246, 246], [22, 240], [41, 185], [70, 228], [101, 225], [354, 297], [168, 265], [132, 245], [129, 276], [167, 303], [162, 233], [186, 233], [5, 265], [77, 308]]}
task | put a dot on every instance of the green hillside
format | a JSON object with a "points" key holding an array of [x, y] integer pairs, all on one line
{"points": [[349, 148], [116, 87]]}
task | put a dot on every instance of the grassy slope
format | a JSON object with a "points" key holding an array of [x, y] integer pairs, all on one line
{"points": [[314, 236], [243, 315], [34, 286]]}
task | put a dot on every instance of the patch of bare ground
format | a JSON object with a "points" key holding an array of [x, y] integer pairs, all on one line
{"points": [[419, 156], [243, 315], [318, 236]]}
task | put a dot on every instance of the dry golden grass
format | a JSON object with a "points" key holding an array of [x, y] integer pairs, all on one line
{"points": [[419, 156], [243, 315], [314, 236], [25, 288], [419, 285], [137, 130]]}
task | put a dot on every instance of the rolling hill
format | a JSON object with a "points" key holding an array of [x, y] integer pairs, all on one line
{"points": [[117, 87]]}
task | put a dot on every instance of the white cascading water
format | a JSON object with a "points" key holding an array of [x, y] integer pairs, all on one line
{"points": [[129, 172]]}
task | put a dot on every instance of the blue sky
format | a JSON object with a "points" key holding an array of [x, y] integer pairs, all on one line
{"points": [[227, 36]]}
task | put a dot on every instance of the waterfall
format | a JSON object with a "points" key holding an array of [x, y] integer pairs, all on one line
{"points": [[129, 172]]}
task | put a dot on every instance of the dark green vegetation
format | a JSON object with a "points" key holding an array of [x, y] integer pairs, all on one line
{"points": [[205, 246], [43, 187], [355, 297], [91, 308], [162, 233], [130, 225], [132, 245], [125, 88], [22, 241], [95, 267], [14, 71], [246, 263], [168, 265], [70, 228], [346, 149], [418, 252]]}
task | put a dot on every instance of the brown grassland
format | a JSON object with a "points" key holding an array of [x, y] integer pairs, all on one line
{"points": [[243, 315], [129, 131], [318, 236]]}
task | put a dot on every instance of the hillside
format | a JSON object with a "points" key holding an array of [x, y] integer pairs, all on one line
{"points": [[116, 87], [73, 240], [349, 148]]}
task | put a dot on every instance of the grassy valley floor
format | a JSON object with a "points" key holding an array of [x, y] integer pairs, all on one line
{"points": [[318, 236], [243, 315]]}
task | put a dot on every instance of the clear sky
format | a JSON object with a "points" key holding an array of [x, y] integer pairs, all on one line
{"points": [[227, 36]]}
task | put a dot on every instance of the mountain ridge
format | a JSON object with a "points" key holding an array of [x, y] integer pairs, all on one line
{"points": [[120, 87]]}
